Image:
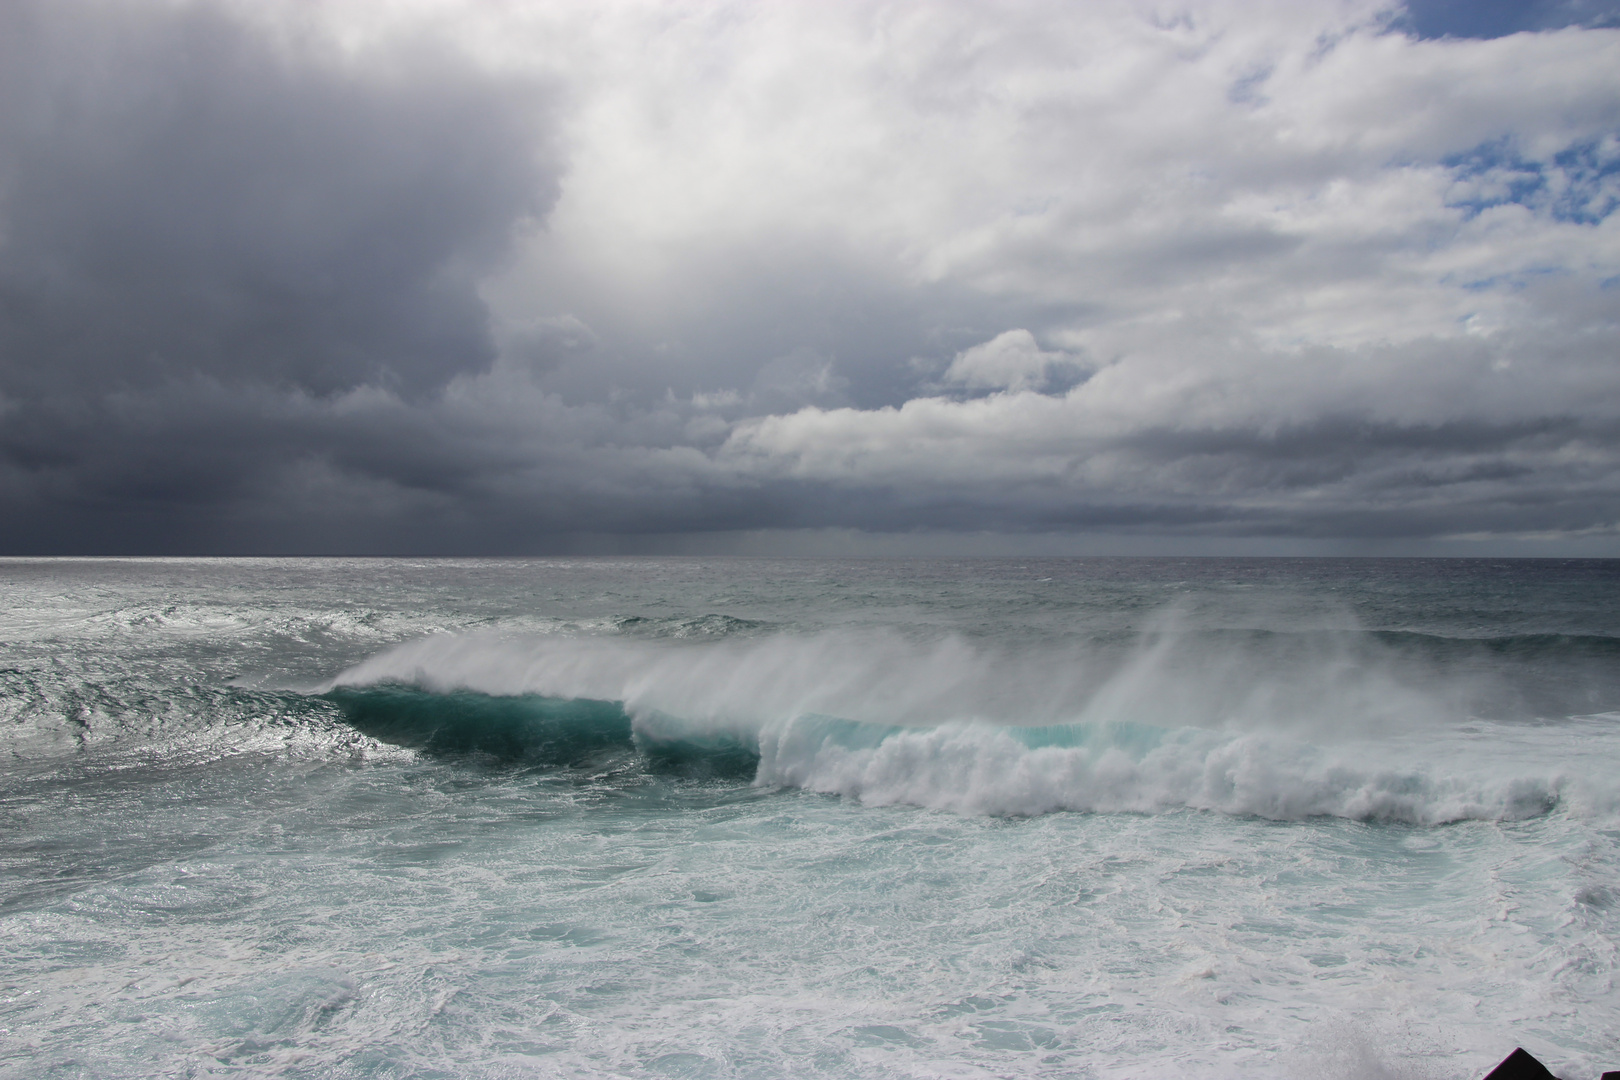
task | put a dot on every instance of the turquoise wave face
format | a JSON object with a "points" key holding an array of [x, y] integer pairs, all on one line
{"points": [[534, 731], [538, 730]]}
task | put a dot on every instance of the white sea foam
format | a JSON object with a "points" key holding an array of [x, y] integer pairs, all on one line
{"points": [[976, 768]]}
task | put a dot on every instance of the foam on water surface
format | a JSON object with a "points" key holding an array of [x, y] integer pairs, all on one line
{"points": [[746, 819]]}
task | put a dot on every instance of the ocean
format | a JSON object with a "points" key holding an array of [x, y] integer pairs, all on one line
{"points": [[755, 818]]}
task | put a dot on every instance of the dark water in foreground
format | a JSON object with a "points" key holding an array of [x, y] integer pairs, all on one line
{"points": [[755, 818]]}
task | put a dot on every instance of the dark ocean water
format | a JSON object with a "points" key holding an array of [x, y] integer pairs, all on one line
{"points": [[808, 818]]}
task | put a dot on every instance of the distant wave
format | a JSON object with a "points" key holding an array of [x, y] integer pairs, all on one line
{"points": [[1510, 645]]}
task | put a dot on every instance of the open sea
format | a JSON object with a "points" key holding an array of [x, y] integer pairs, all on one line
{"points": [[752, 818]]}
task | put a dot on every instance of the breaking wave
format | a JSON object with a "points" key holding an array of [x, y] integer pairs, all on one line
{"points": [[1266, 725]]}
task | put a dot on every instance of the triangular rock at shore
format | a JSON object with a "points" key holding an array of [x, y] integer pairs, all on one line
{"points": [[1519, 1065]]}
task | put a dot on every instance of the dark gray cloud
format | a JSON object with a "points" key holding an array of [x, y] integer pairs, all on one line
{"points": [[185, 193], [207, 224]]}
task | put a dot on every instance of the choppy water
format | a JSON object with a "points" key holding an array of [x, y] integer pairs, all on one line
{"points": [[751, 818]]}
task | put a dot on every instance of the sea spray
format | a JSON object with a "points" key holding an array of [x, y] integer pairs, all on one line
{"points": [[1328, 683]]}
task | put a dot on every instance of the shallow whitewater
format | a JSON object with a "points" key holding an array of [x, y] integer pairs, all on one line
{"points": [[685, 818]]}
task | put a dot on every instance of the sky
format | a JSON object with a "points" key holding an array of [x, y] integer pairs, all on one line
{"points": [[498, 277]]}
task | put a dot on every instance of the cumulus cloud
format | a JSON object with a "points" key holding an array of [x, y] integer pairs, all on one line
{"points": [[1009, 361], [476, 277]]}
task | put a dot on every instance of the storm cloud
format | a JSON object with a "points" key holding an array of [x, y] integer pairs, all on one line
{"points": [[512, 278]]}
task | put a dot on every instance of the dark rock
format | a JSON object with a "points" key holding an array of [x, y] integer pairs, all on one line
{"points": [[1519, 1065]]}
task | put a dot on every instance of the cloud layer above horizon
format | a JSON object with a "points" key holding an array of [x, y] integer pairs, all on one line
{"points": [[457, 277]]}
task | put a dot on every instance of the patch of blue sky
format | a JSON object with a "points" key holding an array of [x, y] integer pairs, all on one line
{"points": [[1590, 172], [1249, 89], [1510, 282], [1499, 18], [1579, 184]]}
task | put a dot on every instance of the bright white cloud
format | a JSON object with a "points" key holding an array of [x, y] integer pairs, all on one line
{"points": [[1287, 167], [1009, 361]]}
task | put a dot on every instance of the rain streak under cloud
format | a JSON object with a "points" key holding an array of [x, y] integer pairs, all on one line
{"points": [[460, 277]]}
